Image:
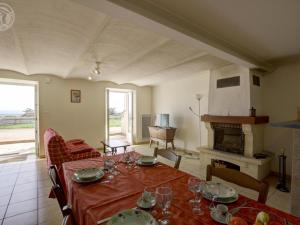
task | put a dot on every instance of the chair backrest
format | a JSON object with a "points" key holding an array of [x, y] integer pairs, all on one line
{"points": [[168, 154], [239, 178], [60, 196], [54, 176], [68, 220], [57, 188], [55, 148]]}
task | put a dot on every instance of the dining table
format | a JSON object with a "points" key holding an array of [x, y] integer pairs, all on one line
{"points": [[95, 201]]}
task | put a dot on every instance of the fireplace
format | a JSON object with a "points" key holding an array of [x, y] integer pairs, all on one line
{"points": [[233, 141], [228, 137]]}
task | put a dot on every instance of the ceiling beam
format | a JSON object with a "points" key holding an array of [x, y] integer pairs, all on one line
{"points": [[90, 45], [162, 21], [146, 50], [171, 66]]}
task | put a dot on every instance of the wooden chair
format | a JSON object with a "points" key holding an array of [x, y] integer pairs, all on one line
{"points": [[57, 189], [240, 179], [67, 220], [60, 196], [168, 154], [55, 179], [54, 176]]}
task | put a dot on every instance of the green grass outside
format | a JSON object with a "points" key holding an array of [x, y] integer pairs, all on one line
{"points": [[17, 126], [115, 122]]}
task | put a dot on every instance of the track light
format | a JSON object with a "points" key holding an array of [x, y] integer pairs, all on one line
{"points": [[97, 68]]}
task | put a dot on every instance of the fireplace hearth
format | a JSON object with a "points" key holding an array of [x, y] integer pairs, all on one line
{"points": [[228, 138]]}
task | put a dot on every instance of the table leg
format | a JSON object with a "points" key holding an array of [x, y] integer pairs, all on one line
{"points": [[166, 145], [173, 147], [104, 147], [125, 147]]}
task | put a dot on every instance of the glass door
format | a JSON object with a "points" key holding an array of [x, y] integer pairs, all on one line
{"points": [[129, 135]]}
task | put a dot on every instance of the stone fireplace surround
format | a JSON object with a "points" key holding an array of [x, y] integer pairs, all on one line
{"points": [[252, 128], [228, 137]]}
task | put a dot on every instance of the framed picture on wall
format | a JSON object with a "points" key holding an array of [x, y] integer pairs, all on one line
{"points": [[75, 96]]}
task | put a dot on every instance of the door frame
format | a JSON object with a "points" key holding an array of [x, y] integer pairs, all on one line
{"points": [[34, 84], [131, 119]]}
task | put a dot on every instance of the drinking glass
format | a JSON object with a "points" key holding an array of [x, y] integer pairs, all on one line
{"points": [[109, 165], [214, 192], [149, 195], [192, 183], [212, 203], [128, 159], [196, 186], [163, 199]]}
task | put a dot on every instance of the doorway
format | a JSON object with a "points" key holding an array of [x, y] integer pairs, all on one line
{"points": [[18, 118], [119, 119]]}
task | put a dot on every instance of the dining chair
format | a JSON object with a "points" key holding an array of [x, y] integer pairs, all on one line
{"points": [[168, 154], [60, 196], [67, 220], [54, 176], [57, 189], [241, 179]]}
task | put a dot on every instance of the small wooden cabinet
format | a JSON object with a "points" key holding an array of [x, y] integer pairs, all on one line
{"points": [[165, 134]]}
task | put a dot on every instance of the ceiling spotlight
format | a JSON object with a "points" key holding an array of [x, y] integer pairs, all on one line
{"points": [[90, 78], [97, 68]]}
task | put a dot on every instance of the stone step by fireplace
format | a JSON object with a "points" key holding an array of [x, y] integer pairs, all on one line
{"points": [[236, 140]]}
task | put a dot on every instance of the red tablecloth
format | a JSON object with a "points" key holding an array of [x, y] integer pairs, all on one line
{"points": [[95, 201]]}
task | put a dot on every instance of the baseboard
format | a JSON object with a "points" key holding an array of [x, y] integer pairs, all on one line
{"points": [[16, 142], [140, 142]]}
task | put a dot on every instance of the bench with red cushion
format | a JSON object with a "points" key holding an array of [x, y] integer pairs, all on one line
{"points": [[58, 150]]}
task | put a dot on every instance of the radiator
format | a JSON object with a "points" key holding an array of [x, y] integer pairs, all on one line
{"points": [[146, 121]]}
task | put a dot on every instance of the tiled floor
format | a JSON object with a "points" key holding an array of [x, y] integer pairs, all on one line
{"points": [[25, 186], [24, 192]]}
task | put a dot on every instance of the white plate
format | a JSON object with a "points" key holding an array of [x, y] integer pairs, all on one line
{"points": [[98, 174], [222, 200], [88, 173], [132, 217], [75, 179], [219, 190], [147, 161]]}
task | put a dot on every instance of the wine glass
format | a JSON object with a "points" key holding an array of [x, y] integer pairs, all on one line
{"points": [[214, 193], [196, 186], [163, 199], [128, 159], [109, 165], [192, 182]]}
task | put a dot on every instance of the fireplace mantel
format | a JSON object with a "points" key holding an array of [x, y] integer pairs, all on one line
{"points": [[235, 119]]}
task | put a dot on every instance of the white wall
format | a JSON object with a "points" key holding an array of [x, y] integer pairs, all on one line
{"points": [[175, 98], [85, 120], [256, 95], [233, 101], [281, 97]]}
